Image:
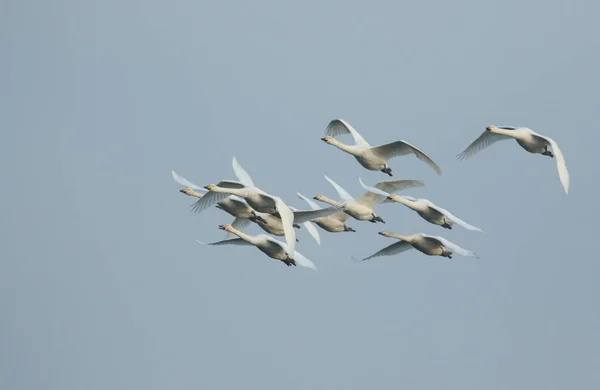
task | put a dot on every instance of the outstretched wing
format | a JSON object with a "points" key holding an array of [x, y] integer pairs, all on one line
{"points": [[453, 247], [395, 248], [339, 126], [312, 230], [287, 220], [313, 205], [403, 148], [344, 195], [486, 139], [561, 164], [211, 198], [309, 215], [383, 189], [454, 218], [186, 183], [234, 241], [241, 173]]}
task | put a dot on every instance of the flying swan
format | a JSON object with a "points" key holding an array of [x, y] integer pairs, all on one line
{"points": [[335, 223], [255, 197], [373, 158], [271, 247], [528, 140], [429, 245], [426, 209], [362, 208], [232, 205]]}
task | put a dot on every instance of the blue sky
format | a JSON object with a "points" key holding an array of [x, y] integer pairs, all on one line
{"points": [[104, 285]]}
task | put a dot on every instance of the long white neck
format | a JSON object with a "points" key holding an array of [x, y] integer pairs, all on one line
{"points": [[190, 192], [232, 191], [408, 203], [330, 201], [402, 237], [346, 148], [252, 240], [508, 133]]}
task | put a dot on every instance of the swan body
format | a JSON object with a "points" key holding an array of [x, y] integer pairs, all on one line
{"points": [[335, 223], [362, 208], [373, 158], [528, 140], [425, 208], [271, 247], [255, 197], [429, 245]]}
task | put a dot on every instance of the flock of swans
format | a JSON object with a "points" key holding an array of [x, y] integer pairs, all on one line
{"points": [[247, 203]]}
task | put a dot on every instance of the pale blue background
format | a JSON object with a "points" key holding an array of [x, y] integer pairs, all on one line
{"points": [[104, 287]]}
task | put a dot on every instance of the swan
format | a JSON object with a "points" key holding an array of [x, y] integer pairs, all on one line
{"points": [[232, 205], [527, 139], [362, 208], [271, 247], [425, 208], [273, 225], [334, 223], [254, 196], [373, 158], [430, 245]]}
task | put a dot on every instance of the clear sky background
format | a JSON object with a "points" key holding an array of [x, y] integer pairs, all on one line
{"points": [[103, 285]]}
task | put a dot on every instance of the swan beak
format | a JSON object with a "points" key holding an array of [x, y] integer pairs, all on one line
{"points": [[223, 227], [489, 128], [324, 139], [382, 233], [209, 187], [182, 191]]}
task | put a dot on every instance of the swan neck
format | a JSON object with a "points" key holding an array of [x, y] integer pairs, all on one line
{"points": [[329, 201], [508, 133], [232, 191], [240, 234], [191, 192], [402, 237], [404, 201], [344, 147]]}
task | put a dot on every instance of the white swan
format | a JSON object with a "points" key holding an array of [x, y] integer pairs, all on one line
{"points": [[373, 158], [273, 225], [271, 247], [528, 140], [232, 205], [255, 197], [426, 209], [362, 208], [429, 245], [335, 223]]}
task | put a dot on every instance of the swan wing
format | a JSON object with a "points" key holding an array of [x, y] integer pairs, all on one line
{"points": [[452, 246], [240, 223], [344, 195], [287, 220], [312, 230], [309, 215], [209, 199], [395, 248], [339, 126], [186, 183], [563, 172], [403, 148], [241, 173], [454, 218], [313, 205], [486, 139], [234, 241], [383, 189], [340, 216]]}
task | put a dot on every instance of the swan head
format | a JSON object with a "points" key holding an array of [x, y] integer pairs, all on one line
{"points": [[385, 233], [327, 139], [318, 197], [210, 187], [392, 197], [186, 191], [490, 128], [224, 226]]}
